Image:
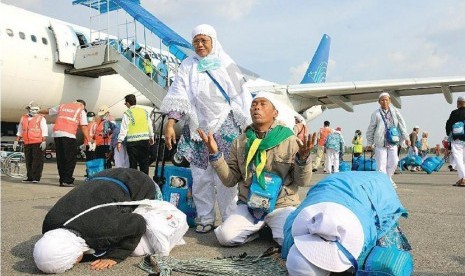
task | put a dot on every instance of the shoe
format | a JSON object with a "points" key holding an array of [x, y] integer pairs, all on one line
{"points": [[394, 185], [325, 171], [26, 180], [314, 170], [66, 184], [204, 228], [35, 181]]}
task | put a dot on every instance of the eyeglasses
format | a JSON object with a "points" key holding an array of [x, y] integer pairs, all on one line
{"points": [[203, 41]]}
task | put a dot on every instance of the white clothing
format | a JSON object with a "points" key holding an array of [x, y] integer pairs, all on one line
{"points": [[207, 188], [121, 157], [376, 132], [458, 152], [240, 227], [386, 160], [332, 159], [298, 265], [43, 126], [198, 98], [82, 122]]}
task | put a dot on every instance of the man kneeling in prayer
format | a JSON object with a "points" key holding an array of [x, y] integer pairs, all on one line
{"points": [[342, 219], [269, 163], [105, 235]]}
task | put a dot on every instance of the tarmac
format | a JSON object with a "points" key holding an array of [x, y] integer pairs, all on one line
{"points": [[435, 227]]}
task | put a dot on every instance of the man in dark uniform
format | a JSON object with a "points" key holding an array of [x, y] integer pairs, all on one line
{"points": [[111, 233]]}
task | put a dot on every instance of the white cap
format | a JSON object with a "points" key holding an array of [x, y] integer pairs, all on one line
{"points": [[416, 126], [461, 99], [103, 110], [316, 228], [384, 94]]}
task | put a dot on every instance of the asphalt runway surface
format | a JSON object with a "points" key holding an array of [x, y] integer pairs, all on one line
{"points": [[435, 227]]}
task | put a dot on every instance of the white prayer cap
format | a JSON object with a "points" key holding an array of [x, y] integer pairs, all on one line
{"points": [[318, 226], [204, 29], [58, 251], [384, 94], [285, 113], [461, 99]]}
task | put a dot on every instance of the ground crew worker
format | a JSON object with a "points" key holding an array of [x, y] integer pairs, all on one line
{"points": [[321, 139], [69, 117], [33, 130], [103, 129], [136, 128]]}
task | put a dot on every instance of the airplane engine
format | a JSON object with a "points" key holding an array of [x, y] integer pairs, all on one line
{"points": [[313, 112]]}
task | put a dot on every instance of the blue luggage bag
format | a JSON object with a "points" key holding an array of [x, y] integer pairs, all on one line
{"points": [[344, 166], [432, 164], [94, 166], [175, 182], [177, 190], [409, 160], [365, 164]]}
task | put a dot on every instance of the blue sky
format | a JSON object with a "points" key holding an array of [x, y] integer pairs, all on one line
{"points": [[370, 40]]}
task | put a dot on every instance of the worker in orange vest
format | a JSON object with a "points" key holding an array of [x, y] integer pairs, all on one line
{"points": [[321, 139], [103, 129], [33, 130], [70, 116]]}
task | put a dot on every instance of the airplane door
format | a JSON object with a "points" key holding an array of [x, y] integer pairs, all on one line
{"points": [[66, 41]]}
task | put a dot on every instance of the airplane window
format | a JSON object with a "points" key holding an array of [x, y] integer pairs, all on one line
{"points": [[9, 32], [22, 35], [33, 38], [44, 41]]}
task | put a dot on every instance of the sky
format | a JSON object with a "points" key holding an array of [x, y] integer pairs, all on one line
{"points": [[371, 40]]}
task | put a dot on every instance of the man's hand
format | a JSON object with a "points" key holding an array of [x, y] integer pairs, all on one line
{"points": [[15, 145], [151, 141], [118, 146], [43, 145], [407, 142], [306, 146], [102, 264], [209, 141], [92, 146]]}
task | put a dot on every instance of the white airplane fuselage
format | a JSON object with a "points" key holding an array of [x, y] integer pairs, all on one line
{"points": [[29, 71]]}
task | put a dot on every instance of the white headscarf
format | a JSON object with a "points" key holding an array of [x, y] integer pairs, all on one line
{"points": [[200, 102], [58, 250]]}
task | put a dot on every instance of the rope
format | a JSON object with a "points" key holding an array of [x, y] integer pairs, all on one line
{"points": [[242, 265]]}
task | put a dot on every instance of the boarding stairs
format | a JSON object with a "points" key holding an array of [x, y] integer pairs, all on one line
{"points": [[100, 60]]}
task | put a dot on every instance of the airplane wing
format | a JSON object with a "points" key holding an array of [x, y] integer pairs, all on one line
{"points": [[347, 94]]}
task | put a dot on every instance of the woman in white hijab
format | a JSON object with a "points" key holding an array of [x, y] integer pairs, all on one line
{"points": [[209, 93]]}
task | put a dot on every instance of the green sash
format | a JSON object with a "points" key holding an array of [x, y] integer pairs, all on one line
{"points": [[256, 148]]}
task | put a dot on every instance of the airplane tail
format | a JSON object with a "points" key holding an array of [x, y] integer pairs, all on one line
{"points": [[316, 72]]}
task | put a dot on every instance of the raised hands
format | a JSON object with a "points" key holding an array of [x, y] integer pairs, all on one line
{"points": [[306, 146], [209, 141]]}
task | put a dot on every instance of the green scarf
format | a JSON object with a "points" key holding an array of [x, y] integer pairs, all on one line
{"points": [[256, 149]]}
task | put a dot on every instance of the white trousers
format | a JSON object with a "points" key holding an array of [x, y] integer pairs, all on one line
{"points": [[332, 159], [240, 226], [121, 158], [207, 188], [458, 152], [386, 160]]}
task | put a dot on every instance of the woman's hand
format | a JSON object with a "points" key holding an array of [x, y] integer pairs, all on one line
{"points": [[102, 264], [209, 141], [170, 134]]}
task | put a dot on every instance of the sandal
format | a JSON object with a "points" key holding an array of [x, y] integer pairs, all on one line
{"points": [[204, 228]]}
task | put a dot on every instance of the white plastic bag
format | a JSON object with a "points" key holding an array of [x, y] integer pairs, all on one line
{"points": [[166, 226]]}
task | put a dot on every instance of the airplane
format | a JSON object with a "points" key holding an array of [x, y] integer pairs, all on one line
{"points": [[36, 52]]}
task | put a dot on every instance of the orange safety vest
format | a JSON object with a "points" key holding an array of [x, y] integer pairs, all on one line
{"points": [[69, 115], [32, 133], [90, 126], [324, 132], [101, 138]]}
